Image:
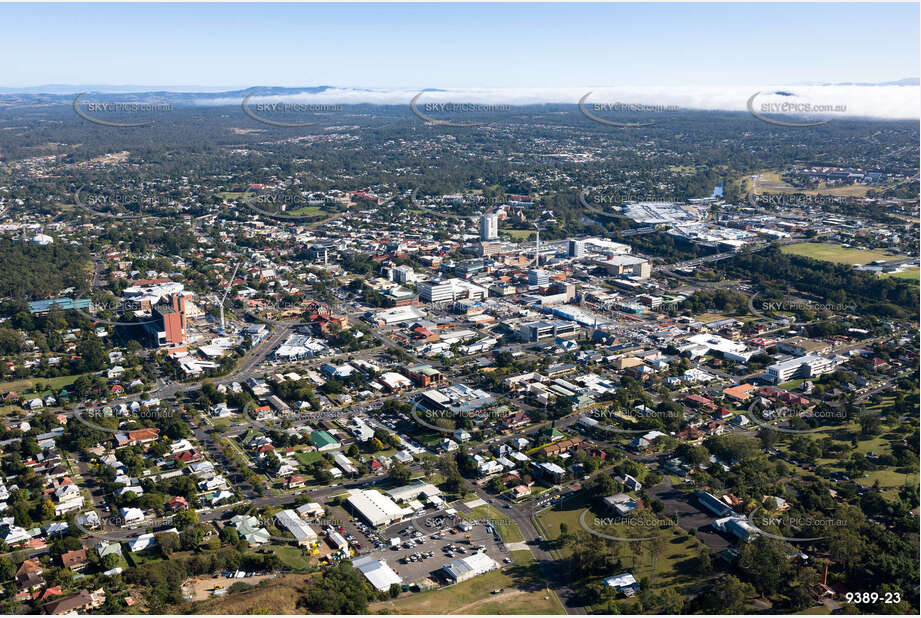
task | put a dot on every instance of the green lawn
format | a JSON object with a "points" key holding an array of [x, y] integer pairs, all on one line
{"points": [[517, 234], [913, 274], [508, 529], [308, 210], [836, 253], [290, 556], [307, 458], [51, 384], [233, 195], [523, 592]]}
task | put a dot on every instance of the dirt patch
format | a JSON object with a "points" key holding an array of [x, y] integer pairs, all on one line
{"points": [[279, 596], [201, 588], [502, 597]]}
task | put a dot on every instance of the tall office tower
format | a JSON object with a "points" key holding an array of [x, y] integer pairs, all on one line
{"points": [[489, 227]]}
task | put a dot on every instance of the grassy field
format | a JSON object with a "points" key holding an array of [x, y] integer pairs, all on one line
{"points": [[771, 182], [508, 529], [307, 458], [835, 253], [524, 593], [517, 234], [233, 195], [290, 556], [308, 211], [51, 384], [889, 479], [911, 273], [673, 567]]}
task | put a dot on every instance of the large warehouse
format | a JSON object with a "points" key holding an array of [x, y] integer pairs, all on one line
{"points": [[375, 508], [470, 566]]}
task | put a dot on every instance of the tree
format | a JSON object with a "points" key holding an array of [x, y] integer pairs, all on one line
{"points": [[168, 542], [7, 569], [110, 561], [765, 563], [727, 596], [399, 473], [185, 518]]}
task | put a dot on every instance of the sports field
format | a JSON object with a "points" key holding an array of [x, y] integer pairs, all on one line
{"points": [[836, 253]]}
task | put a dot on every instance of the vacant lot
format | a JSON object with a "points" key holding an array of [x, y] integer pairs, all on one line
{"points": [[523, 592], [202, 588], [835, 253], [279, 596], [49, 384]]}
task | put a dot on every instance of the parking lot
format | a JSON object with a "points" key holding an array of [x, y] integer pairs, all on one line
{"points": [[427, 542]]}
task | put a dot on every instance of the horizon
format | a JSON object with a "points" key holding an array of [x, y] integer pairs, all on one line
{"points": [[403, 46]]}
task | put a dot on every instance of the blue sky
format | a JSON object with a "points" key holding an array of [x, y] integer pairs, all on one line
{"points": [[457, 46]]}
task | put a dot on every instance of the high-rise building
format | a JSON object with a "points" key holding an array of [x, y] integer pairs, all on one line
{"points": [[576, 248], [489, 227], [540, 278]]}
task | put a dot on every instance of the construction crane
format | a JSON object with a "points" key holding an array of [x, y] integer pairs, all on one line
{"points": [[227, 291]]}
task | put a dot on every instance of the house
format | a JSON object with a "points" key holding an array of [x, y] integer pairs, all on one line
{"points": [[249, 529], [519, 491], [74, 560], [29, 575], [177, 503], [138, 436], [624, 583], [142, 542], [74, 603], [621, 504], [89, 520], [187, 457], [294, 481], [739, 393], [131, 515]]}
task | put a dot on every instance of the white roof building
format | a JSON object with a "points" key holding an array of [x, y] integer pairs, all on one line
{"points": [[469, 567], [292, 522], [376, 508], [377, 572]]}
